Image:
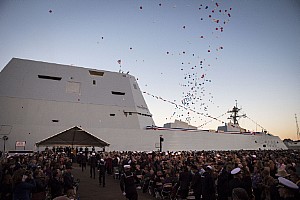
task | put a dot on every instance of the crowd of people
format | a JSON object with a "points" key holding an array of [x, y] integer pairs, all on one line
{"points": [[206, 175], [37, 176]]}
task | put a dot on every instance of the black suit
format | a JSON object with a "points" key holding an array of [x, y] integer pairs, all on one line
{"points": [[196, 185]]}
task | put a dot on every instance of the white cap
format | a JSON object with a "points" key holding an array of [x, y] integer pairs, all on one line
{"points": [[235, 170], [126, 166], [101, 160], [210, 167], [93, 154], [287, 183]]}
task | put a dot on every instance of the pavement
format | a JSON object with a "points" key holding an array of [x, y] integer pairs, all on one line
{"points": [[89, 188]]}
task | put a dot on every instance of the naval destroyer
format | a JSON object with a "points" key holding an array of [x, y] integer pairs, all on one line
{"points": [[40, 99]]}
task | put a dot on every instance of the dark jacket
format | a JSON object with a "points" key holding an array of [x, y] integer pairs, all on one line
{"points": [[196, 184], [56, 187], [208, 187], [185, 179], [223, 187], [93, 161], [22, 190], [234, 183], [101, 167], [127, 183], [68, 181]]}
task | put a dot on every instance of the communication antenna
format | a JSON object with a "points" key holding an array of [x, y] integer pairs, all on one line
{"points": [[234, 116], [298, 134]]}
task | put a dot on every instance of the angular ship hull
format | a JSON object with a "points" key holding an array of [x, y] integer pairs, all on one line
{"points": [[38, 100]]}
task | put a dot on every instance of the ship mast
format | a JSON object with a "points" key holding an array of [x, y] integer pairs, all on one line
{"points": [[298, 134], [234, 116]]}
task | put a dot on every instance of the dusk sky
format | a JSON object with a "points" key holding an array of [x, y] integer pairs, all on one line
{"points": [[200, 55]]}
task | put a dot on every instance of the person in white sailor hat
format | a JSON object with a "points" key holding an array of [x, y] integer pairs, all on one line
{"points": [[101, 168], [236, 182], [287, 189], [127, 184]]}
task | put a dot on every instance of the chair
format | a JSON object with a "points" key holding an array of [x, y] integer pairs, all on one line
{"points": [[150, 188], [116, 173], [166, 191]]}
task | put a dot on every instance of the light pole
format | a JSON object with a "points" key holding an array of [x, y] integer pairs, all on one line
{"points": [[161, 139], [4, 140]]}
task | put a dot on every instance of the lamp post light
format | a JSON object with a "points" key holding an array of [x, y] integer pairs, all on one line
{"points": [[161, 139], [4, 141]]}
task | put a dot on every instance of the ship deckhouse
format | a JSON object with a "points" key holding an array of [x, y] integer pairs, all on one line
{"points": [[46, 95], [39, 100]]}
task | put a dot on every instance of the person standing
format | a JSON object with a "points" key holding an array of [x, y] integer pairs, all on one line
{"points": [[68, 179], [208, 187], [56, 184], [196, 183], [257, 183], [83, 161], [222, 184], [236, 182], [185, 178], [109, 166], [23, 184], [101, 169], [40, 190], [268, 184], [93, 165], [127, 184], [287, 189]]}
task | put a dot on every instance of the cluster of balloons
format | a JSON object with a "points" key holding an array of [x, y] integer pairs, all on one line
{"points": [[195, 94], [194, 64], [187, 109]]}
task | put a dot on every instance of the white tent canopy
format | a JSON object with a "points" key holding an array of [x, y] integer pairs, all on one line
{"points": [[75, 136]]}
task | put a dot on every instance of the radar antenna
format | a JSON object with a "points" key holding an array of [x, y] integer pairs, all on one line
{"points": [[234, 116], [298, 134]]}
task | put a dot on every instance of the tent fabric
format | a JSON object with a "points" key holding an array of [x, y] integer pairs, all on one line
{"points": [[75, 136]]}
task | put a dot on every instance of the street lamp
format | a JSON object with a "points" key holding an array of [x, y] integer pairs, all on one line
{"points": [[4, 140], [161, 139]]}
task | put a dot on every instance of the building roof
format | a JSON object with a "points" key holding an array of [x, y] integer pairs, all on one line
{"points": [[75, 136]]}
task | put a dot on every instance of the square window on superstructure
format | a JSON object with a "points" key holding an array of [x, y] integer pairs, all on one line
{"points": [[73, 87], [94, 82]]}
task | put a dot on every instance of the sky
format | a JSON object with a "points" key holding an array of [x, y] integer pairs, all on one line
{"points": [[192, 59]]}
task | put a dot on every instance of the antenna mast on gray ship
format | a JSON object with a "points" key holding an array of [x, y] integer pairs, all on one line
{"points": [[234, 114], [298, 134]]}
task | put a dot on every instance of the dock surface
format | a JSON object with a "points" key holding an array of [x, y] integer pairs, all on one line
{"points": [[89, 187]]}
